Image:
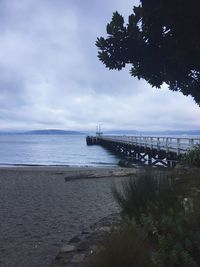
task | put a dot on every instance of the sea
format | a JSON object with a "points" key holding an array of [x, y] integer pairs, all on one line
{"points": [[68, 150]]}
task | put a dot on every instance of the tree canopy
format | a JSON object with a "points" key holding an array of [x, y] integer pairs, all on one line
{"points": [[161, 42]]}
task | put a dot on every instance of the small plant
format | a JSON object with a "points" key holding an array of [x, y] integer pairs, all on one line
{"points": [[192, 157], [146, 194], [125, 246]]}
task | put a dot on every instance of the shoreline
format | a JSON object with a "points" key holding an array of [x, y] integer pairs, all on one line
{"points": [[2, 165]]}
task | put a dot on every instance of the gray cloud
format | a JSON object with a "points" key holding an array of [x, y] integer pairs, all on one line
{"points": [[50, 76]]}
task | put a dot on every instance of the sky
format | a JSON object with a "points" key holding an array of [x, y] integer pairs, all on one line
{"points": [[51, 78]]}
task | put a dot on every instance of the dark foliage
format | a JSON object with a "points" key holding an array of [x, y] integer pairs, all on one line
{"points": [[192, 158], [147, 194], [176, 237], [164, 230], [125, 246], [161, 42]]}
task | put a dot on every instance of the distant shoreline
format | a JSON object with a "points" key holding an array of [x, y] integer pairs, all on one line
{"points": [[44, 132]]}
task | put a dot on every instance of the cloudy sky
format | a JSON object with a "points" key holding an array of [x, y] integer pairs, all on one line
{"points": [[50, 76]]}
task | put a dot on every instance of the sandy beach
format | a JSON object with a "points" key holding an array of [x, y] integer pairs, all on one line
{"points": [[67, 172], [42, 207]]}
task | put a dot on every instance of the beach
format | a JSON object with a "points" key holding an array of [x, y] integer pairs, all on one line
{"points": [[43, 207], [66, 171]]}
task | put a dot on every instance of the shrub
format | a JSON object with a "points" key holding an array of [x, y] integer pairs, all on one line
{"points": [[165, 228], [175, 238], [170, 220], [125, 246], [192, 157], [146, 194]]}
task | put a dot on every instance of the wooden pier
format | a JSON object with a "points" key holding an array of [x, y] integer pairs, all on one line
{"points": [[149, 150]]}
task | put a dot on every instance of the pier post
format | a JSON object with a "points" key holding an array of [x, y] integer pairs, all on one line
{"points": [[191, 143], [149, 159], [178, 146]]}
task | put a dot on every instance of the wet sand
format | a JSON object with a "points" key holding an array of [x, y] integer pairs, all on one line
{"points": [[42, 207]]}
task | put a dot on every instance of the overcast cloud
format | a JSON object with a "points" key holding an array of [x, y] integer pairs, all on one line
{"points": [[50, 76]]}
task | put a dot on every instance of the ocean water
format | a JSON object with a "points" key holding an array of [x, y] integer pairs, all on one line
{"points": [[52, 150]]}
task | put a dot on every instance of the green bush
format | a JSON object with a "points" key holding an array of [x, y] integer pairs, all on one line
{"points": [[164, 229], [170, 220], [146, 194], [125, 246], [192, 157], [175, 238]]}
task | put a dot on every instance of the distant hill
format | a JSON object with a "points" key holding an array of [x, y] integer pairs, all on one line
{"points": [[52, 132]]}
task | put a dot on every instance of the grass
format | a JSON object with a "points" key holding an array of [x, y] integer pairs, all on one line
{"points": [[146, 193]]}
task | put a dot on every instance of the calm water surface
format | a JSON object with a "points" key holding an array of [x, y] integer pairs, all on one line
{"points": [[52, 150]]}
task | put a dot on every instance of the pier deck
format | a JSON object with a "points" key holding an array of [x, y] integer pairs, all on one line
{"points": [[147, 149]]}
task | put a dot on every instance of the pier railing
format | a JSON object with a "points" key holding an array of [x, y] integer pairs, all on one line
{"points": [[169, 144]]}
